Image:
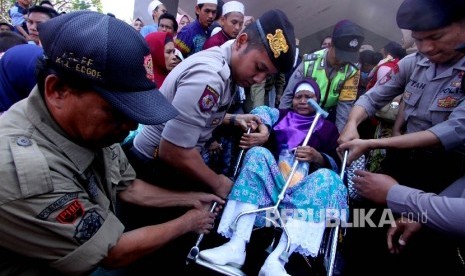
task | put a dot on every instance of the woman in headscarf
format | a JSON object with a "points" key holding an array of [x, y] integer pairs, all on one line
{"points": [[260, 181], [183, 20], [162, 51], [137, 24], [162, 60]]}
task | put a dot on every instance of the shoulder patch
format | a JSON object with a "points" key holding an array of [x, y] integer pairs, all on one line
{"points": [[62, 201], [88, 226], [71, 212], [208, 99]]}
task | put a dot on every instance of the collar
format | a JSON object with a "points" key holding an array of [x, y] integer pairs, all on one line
{"points": [[40, 117]]}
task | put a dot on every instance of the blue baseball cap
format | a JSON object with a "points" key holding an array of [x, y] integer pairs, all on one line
{"points": [[111, 56]]}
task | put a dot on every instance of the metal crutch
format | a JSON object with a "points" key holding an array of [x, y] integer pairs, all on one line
{"points": [[335, 237], [194, 252], [285, 255]]}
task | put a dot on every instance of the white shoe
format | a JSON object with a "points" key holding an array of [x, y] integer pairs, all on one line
{"points": [[227, 254], [273, 268]]}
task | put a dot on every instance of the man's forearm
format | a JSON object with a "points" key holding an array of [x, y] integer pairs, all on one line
{"points": [[145, 194], [139, 242], [357, 115], [421, 139]]}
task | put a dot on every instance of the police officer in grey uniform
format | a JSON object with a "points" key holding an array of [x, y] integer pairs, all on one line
{"points": [[62, 173], [426, 156], [201, 88]]}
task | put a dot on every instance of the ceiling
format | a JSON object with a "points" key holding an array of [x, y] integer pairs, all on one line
{"points": [[314, 19]]}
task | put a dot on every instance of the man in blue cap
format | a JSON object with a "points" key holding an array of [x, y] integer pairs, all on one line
{"points": [[62, 168], [425, 156]]}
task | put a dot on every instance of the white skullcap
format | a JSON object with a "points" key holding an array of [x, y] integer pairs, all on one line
{"points": [[215, 31], [233, 6], [305, 86], [178, 54], [207, 2], [153, 5]]}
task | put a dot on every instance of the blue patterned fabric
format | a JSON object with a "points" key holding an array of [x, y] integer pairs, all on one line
{"points": [[260, 183]]}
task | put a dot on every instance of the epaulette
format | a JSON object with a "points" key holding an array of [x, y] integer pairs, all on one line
{"points": [[31, 167]]}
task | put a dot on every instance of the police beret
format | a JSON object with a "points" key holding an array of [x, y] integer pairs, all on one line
{"points": [[425, 15], [277, 34]]}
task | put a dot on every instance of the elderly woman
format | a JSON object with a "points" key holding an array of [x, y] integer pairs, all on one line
{"points": [[162, 50], [260, 181]]}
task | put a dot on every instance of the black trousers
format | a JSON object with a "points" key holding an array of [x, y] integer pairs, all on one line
{"points": [[429, 252]]}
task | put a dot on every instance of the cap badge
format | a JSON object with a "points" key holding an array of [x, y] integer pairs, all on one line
{"points": [[277, 43], [353, 43], [148, 67]]}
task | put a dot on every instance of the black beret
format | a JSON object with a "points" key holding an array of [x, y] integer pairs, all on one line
{"points": [[277, 34], [425, 15]]}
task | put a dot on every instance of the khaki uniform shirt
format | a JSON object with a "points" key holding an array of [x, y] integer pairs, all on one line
{"points": [[200, 89], [432, 102], [57, 199]]}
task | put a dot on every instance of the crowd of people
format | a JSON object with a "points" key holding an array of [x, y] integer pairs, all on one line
{"points": [[117, 139]]}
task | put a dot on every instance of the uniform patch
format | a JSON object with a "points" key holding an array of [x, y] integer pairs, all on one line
{"points": [[208, 99], [456, 84], [71, 212], [62, 201], [88, 226], [448, 102], [385, 79], [407, 95]]}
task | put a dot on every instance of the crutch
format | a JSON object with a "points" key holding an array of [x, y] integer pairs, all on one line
{"points": [[194, 252], [285, 255], [335, 237]]}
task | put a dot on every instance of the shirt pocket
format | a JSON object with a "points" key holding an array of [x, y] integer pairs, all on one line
{"points": [[411, 100], [443, 105]]}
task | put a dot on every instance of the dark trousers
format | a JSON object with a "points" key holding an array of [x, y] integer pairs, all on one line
{"points": [[171, 257], [429, 252]]}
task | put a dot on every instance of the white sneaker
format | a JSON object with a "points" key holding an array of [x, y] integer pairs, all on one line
{"points": [[273, 268], [227, 254]]}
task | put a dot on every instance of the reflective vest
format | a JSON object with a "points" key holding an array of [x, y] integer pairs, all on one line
{"points": [[331, 90]]}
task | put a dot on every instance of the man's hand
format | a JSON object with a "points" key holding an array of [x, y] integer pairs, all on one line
{"points": [[199, 221], [223, 187], [255, 139], [248, 120], [203, 201], [399, 235], [356, 148], [373, 186]]}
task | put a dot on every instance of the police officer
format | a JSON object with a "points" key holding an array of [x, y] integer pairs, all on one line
{"points": [[424, 156], [201, 89], [61, 171], [335, 70]]}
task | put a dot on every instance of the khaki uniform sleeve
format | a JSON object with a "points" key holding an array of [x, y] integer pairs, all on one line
{"points": [[48, 215]]}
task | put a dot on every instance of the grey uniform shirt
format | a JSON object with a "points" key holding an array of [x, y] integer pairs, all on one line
{"points": [[57, 198], [444, 212], [434, 103], [200, 89]]}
